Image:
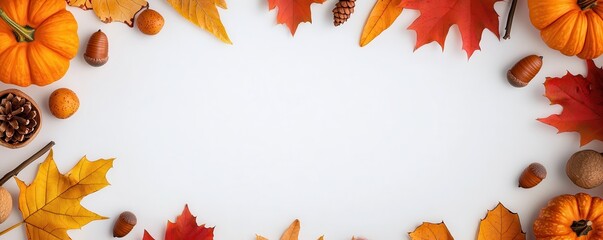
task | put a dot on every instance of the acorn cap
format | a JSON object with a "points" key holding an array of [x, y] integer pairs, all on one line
{"points": [[515, 82]]}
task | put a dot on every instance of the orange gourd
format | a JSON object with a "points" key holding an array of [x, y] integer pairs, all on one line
{"points": [[38, 38], [568, 217], [574, 27]]}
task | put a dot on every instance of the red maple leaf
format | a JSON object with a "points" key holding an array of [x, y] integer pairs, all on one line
{"points": [[293, 12], [437, 16], [185, 228], [582, 101], [147, 236]]}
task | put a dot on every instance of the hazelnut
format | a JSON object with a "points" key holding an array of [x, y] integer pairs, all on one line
{"points": [[585, 169]]}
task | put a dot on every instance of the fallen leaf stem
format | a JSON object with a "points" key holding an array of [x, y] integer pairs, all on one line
{"points": [[11, 228], [24, 164], [510, 20]]}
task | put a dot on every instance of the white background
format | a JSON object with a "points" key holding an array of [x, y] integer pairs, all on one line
{"points": [[352, 141]]}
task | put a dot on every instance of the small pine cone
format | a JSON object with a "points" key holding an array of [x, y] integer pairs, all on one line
{"points": [[17, 119], [343, 10]]}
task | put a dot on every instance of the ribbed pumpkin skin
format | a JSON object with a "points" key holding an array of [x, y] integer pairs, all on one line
{"points": [[46, 58], [565, 27], [555, 219]]}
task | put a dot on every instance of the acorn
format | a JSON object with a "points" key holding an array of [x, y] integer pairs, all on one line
{"points": [[97, 52], [532, 175], [124, 224], [585, 169], [524, 71], [6, 204]]}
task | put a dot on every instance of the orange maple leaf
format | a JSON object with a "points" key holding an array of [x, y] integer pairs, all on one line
{"points": [[292, 232], [427, 230], [500, 224], [582, 101], [293, 12], [437, 16]]}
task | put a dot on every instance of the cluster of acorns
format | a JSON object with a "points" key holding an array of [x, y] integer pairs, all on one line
{"points": [[584, 168], [149, 22]]}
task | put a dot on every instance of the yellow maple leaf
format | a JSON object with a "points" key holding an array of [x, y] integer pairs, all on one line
{"points": [[112, 10], [203, 13], [51, 204]]}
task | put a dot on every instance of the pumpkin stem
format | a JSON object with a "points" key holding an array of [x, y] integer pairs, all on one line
{"points": [[586, 4], [24, 34], [582, 227]]}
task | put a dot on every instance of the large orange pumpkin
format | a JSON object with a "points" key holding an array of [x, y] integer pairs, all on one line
{"points": [[568, 217], [38, 38], [574, 27]]}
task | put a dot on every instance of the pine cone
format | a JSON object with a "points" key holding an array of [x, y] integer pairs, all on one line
{"points": [[343, 10], [17, 119]]}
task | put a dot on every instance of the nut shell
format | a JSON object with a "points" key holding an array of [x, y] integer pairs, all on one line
{"points": [[124, 224], [97, 52], [6, 204], [524, 71], [532, 175], [150, 22], [585, 169], [63, 103]]}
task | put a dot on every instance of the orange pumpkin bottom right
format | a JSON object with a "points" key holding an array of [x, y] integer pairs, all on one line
{"points": [[567, 217]]}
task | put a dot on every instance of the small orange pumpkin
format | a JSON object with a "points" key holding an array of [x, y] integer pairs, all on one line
{"points": [[568, 217], [574, 27], [38, 38]]}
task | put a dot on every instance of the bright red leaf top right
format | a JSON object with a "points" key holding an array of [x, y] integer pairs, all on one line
{"points": [[582, 102]]}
